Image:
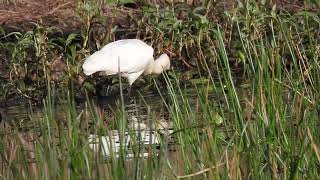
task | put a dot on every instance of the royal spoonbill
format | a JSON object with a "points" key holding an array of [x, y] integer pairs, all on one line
{"points": [[129, 57]]}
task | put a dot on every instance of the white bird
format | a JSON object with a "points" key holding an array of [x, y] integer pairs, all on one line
{"points": [[129, 57]]}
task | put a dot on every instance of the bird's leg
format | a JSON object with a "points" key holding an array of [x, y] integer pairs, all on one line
{"points": [[130, 98], [129, 90], [108, 83], [99, 89]]}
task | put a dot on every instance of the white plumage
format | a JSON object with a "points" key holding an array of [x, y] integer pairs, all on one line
{"points": [[133, 55]]}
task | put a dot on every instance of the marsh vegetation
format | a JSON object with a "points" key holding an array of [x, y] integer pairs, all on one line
{"points": [[242, 97]]}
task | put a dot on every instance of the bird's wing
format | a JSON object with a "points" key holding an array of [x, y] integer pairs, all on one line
{"points": [[134, 55]]}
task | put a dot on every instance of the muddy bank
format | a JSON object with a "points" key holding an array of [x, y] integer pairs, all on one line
{"points": [[65, 14]]}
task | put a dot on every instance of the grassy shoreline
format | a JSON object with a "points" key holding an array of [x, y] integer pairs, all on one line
{"points": [[243, 97]]}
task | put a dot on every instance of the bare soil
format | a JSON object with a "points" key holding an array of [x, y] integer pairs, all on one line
{"points": [[18, 13]]}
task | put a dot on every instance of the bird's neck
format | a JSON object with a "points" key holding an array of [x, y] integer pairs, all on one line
{"points": [[149, 69]]}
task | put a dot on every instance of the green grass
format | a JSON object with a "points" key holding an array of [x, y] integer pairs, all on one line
{"points": [[248, 109]]}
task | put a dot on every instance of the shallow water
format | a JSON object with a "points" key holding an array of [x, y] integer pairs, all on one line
{"points": [[21, 111], [139, 110], [147, 140]]}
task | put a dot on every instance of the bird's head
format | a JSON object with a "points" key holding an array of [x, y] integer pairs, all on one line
{"points": [[162, 64]]}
